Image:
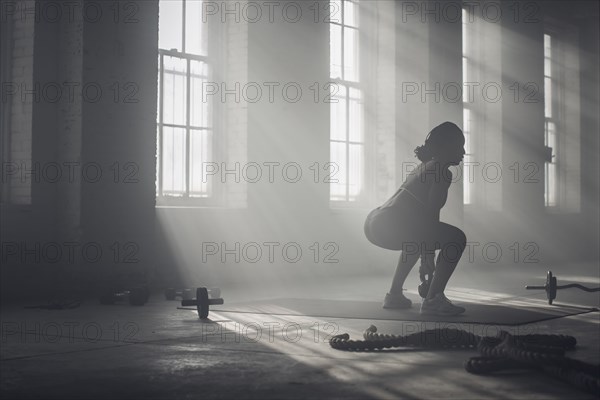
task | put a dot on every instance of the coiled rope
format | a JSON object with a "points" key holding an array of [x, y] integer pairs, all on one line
{"points": [[504, 351]]}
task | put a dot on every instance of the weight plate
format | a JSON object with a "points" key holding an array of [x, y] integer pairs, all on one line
{"points": [[202, 300], [552, 289], [423, 289], [549, 293]]}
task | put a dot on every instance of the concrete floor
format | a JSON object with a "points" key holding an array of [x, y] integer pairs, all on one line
{"points": [[158, 351]]}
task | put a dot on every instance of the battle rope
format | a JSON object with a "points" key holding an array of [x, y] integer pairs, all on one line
{"points": [[505, 351]]}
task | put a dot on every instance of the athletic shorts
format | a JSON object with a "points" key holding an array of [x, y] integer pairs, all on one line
{"points": [[395, 228]]}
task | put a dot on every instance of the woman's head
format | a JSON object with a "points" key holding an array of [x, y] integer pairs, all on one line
{"points": [[444, 143]]}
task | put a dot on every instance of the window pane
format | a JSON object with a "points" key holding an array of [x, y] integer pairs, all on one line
{"points": [[174, 90], [466, 125], [467, 159], [548, 97], [465, 74], [199, 107], [547, 46], [335, 51], [338, 158], [351, 54], [158, 157], [200, 155], [195, 32], [465, 17], [169, 24], [356, 168], [546, 199], [467, 181], [158, 89], [551, 170], [355, 116], [350, 14], [338, 114], [551, 184], [551, 135], [547, 67], [173, 161]]}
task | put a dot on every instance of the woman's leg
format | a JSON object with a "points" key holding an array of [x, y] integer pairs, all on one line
{"points": [[387, 228], [406, 262], [452, 242]]}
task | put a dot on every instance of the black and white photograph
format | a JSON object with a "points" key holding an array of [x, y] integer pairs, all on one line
{"points": [[300, 199]]}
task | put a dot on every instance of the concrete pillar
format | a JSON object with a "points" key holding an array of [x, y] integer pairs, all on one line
{"points": [[120, 54]]}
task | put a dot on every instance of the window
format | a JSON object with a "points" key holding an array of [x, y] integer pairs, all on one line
{"points": [[562, 118], [6, 62], [482, 115], [347, 145], [467, 109], [185, 135], [550, 114], [16, 111]]}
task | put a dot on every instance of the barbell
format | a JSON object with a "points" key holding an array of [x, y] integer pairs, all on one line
{"points": [[551, 287]]}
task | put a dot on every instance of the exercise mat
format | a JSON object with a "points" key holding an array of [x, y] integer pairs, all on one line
{"points": [[498, 314]]}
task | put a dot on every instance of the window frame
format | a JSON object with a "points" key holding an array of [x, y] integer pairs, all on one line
{"points": [[566, 116], [468, 52], [556, 113], [6, 108], [361, 199], [215, 192]]}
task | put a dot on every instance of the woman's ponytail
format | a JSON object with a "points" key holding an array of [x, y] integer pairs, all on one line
{"points": [[437, 140], [423, 153]]}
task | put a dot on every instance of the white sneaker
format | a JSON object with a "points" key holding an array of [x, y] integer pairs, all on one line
{"points": [[396, 301], [440, 305]]}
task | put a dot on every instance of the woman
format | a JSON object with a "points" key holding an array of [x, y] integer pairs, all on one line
{"points": [[410, 219]]}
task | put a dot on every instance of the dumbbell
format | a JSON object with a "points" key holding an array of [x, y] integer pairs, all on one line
{"points": [[424, 288], [185, 294], [137, 296], [202, 302], [551, 287]]}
